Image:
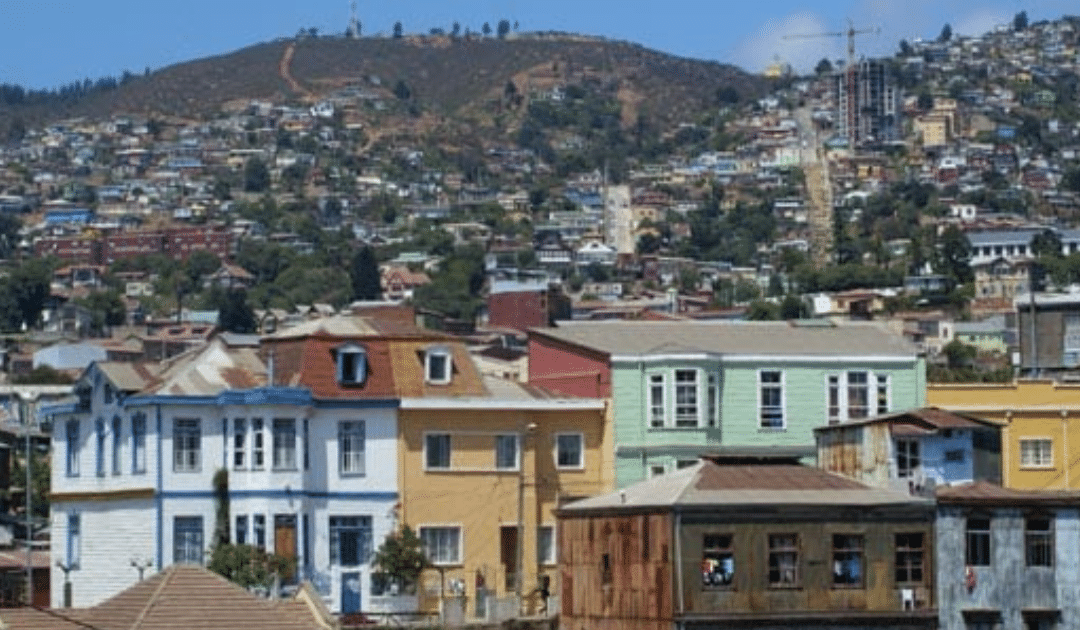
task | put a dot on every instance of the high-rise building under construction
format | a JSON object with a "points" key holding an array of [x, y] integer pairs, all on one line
{"points": [[868, 103]]}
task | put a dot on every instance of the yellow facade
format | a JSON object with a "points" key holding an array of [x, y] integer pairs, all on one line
{"points": [[1040, 437], [482, 500]]}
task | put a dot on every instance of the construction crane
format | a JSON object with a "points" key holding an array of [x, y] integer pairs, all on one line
{"points": [[851, 32]]}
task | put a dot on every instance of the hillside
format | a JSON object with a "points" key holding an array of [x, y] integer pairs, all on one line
{"points": [[444, 75]]}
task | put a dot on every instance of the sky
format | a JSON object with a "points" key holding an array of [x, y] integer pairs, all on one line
{"points": [[48, 43]]}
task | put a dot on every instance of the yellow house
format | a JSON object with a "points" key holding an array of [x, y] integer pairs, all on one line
{"points": [[1040, 436], [479, 473]]}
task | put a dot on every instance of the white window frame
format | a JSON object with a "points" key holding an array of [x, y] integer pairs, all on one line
{"points": [[352, 448], [189, 551], [359, 525], [187, 457], [712, 402], [581, 460], [657, 400], [258, 531], [783, 399], [258, 444], [241, 534], [449, 450], [865, 387], [551, 557], [239, 444], [454, 529], [839, 385], [353, 357], [284, 449], [502, 441], [438, 352], [882, 380], [73, 552], [1032, 457], [72, 429], [692, 418], [911, 450], [138, 443]]}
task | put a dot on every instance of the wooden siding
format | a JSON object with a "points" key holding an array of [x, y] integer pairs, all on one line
{"points": [[638, 590], [750, 593], [859, 452]]}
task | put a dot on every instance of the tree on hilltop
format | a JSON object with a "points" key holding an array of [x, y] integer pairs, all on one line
{"points": [[399, 30], [503, 29], [486, 29]]}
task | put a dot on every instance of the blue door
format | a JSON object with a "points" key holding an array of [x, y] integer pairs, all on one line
{"points": [[350, 592]]}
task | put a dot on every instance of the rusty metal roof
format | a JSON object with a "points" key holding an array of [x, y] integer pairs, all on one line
{"points": [[925, 419], [990, 494], [708, 484]]}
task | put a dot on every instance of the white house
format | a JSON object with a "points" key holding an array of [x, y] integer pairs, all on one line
{"points": [[310, 477]]}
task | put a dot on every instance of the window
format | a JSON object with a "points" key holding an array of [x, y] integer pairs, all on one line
{"points": [[241, 536], [882, 394], [258, 530], [1039, 541], [239, 443], [442, 545], [71, 435], [656, 470], [907, 457], [712, 408], [717, 560], [1040, 619], [545, 545], [117, 435], [188, 539], [437, 366], [351, 365], [1037, 453], [305, 441], [74, 540], [783, 560], [350, 540], [258, 457], [977, 552], [656, 401], [351, 435], [99, 440], [982, 620], [909, 558], [685, 463], [834, 399], [437, 450], [858, 395], [771, 404], [187, 436], [686, 398], [138, 443], [847, 561], [284, 444], [569, 450], [506, 452]]}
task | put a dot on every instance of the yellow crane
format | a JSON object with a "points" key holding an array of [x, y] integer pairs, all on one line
{"points": [[850, 33]]}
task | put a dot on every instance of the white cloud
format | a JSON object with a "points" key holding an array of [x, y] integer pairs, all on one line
{"points": [[981, 21], [775, 42]]}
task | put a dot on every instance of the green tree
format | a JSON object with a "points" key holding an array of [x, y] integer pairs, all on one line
{"points": [[40, 474], [761, 310], [823, 67], [107, 309], [400, 559], [43, 375], [402, 91], [366, 283], [946, 33], [28, 286], [256, 175], [235, 313], [958, 354], [399, 30], [455, 289], [503, 29], [486, 29], [955, 253], [248, 566], [793, 307]]}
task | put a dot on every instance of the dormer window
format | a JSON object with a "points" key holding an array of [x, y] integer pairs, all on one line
{"points": [[437, 365], [351, 364]]}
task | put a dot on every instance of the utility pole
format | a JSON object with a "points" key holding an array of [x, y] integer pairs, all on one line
{"points": [[519, 578]]}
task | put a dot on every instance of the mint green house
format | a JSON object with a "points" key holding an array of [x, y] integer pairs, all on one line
{"points": [[682, 389]]}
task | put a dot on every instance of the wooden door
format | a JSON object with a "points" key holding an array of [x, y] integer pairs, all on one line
{"points": [[285, 543]]}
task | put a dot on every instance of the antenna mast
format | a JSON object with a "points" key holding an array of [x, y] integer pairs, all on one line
{"points": [[354, 22]]}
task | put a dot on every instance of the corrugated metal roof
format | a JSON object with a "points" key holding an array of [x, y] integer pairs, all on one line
{"points": [[986, 493], [932, 418], [725, 337], [351, 326], [210, 371], [707, 483], [128, 377]]}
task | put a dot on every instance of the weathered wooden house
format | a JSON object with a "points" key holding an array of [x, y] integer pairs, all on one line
{"points": [[1006, 558], [738, 545], [913, 451]]}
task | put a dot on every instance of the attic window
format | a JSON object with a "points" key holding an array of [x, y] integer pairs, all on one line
{"points": [[351, 364], [437, 365]]}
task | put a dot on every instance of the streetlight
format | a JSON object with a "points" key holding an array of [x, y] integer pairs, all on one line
{"points": [[27, 397], [519, 578]]}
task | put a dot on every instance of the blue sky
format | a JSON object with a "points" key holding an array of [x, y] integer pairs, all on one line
{"points": [[46, 43]]}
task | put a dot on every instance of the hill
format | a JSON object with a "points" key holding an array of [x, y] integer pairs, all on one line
{"points": [[445, 76]]}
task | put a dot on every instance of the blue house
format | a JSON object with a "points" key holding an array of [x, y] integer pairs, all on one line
{"points": [[913, 450]]}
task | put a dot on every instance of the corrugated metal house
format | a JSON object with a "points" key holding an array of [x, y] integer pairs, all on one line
{"points": [[747, 545]]}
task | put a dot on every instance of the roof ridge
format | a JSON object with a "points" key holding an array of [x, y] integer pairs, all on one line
{"points": [[167, 575]]}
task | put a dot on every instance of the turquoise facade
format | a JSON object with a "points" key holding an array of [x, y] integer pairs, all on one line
{"points": [[670, 409]]}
